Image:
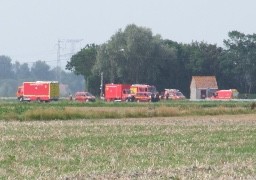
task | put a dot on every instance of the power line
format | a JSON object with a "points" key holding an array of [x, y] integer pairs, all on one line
{"points": [[73, 42]]}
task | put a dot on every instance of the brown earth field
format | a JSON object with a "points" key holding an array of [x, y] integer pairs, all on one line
{"points": [[190, 147]]}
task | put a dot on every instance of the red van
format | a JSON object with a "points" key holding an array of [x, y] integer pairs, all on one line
{"points": [[225, 94]]}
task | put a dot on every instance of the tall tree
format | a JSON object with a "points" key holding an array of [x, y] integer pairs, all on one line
{"points": [[6, 68], [134, 56], [239, 60], [82, 63], [22, 71], [41, 71], [204, 58]]}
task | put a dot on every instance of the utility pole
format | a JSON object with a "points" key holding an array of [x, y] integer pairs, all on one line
{"points": [[73, 43], [58, 68], [72, 51], [101, 84]]}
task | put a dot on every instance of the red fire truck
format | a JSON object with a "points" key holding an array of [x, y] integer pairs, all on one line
{"points": [[117, 92], [148, 92], [139, 88], [225, 94], [43, 91]]}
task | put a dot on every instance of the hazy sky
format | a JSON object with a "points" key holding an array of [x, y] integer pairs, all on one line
{"points": [[30, 29]]}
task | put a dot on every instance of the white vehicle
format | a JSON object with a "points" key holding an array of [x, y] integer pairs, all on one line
{"points": [[173, 94]]}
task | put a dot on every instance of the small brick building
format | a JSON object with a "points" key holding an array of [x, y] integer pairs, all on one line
{"points": [[202, 87]]}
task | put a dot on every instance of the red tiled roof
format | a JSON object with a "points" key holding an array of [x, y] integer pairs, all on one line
{"points": [[205, 81]]}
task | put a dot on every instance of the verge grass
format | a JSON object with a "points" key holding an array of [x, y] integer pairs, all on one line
{"points": [[70, 110], [68, 113], [196, 147]]}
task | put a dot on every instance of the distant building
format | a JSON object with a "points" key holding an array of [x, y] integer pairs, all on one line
{"points": [[202, 87]]}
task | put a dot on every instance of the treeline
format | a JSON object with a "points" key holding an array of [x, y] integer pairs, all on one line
{"points": [[14, 74], [135, 55]]}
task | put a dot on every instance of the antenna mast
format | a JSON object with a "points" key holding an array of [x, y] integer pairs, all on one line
{"points": [[72, 52]]}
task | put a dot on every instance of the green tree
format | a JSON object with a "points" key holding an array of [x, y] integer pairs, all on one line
{"points": [[6, 68], [134, 56], [239, 60], [82, 63], [204, 58], [41, 71], [180, 73], [193, 59], [22, 71]]}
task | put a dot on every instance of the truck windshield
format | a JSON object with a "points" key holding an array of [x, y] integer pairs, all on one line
{"points": [[152, 89]]}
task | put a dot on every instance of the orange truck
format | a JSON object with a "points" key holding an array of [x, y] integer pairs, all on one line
{"points": [[117, 92], [42, 91], [225, 94]]}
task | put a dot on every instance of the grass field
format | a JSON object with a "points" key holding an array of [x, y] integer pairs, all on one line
{"points": [[66, 110], [169, 140], [187, 147]]}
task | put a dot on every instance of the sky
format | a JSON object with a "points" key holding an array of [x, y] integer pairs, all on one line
{"points": [[30, 29]]}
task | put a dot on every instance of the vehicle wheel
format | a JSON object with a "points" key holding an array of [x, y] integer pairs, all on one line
{"points": [[87, 100], [138, 100], [38, 100]]}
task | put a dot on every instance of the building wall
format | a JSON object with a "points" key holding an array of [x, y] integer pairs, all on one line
{"points": [[193, 93], [199, 83], [192, 90], [198, 93]]}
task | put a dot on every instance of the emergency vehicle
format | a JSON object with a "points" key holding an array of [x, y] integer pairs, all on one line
{"points": [[84, 97], [225, 94], [138, 88], [42, 91], [173, 94], [117, 92], [143, 92]]}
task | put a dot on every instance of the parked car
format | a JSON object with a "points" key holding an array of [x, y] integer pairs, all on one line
{"points": [[84, 97], [173, 94]]}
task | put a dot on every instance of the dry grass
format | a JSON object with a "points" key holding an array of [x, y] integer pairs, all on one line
{"points": [[195, 147], [67, 113]]}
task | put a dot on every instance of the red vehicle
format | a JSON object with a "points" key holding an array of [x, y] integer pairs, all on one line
{"points": [[225, 94], [117, 92], [135, 88], [142, 97], [84, 97], [144, 92], [38, 91], [173, 94]]}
